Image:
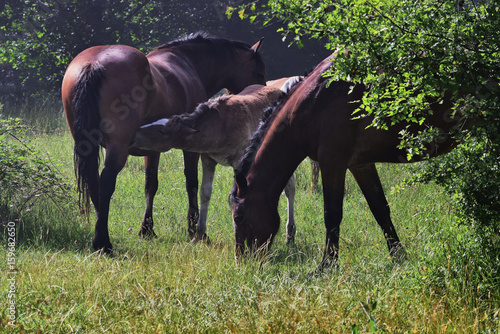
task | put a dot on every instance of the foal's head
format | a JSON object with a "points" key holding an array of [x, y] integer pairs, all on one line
{"points": [[162, 135]]}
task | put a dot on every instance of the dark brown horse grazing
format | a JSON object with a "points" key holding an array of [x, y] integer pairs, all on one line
{"points": [[220, 130], [316, 121], [108, 92]]}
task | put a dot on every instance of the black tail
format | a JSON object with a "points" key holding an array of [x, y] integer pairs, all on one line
{"points": [[86, 131]]}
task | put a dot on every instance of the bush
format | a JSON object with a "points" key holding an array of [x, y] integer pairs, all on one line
{"points": [[471, 175], [31, 183]]}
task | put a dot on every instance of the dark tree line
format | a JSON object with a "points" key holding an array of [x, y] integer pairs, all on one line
{"points": [[39, 39]]}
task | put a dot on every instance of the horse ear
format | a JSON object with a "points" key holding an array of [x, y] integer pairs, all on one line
{"points": [[190, 131], [186, 130], [256, 46]]}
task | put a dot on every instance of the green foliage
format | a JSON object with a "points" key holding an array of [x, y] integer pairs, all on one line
{"points": [[40, 38], [38, 34], [27, 176], [409, 53], [469, 174], [404, 52]]}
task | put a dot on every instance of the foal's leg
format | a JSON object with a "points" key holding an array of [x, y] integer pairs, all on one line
{"points": [[208, 166], [113, 163], [290, 224], [151, 186], [314, 175], [368, 180], [333, 178], [191, 174]]}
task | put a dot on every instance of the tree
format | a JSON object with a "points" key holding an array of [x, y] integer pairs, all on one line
{"points": [[406, 52], [38, 39]]}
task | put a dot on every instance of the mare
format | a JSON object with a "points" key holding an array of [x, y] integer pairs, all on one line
{"points": [[220, 130], [108, 92], [315, 120]]}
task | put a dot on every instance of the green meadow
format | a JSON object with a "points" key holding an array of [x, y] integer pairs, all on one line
{"points": [[170, 285]]}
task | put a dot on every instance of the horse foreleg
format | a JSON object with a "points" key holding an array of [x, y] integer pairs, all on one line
{"points": [[290, 224], [368, 180], [191, 174], [150, 187], [208, 166], [113, 163], [333, 178]]}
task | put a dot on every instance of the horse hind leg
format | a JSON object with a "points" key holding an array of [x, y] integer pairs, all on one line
{"points": [[114, 161], [151, 163], [290, 224], [369, 182]]}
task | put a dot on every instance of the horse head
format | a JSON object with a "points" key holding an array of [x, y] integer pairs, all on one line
{"points": [[256, 221], [162, 135], [248, 69]]}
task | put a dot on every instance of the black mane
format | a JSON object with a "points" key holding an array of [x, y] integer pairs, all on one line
{"points": [[202, 37], [224, 48], [191, 119], [256, 141]]}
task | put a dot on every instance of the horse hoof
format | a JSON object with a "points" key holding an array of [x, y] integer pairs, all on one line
{"points": [[192, 234], [327, 264], [192, 221], [398, 254], [147, 234], [103, 248], [204, 237], [290, 240]]}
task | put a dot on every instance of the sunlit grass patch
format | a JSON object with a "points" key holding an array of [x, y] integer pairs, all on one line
{"points": [[172, 285]]}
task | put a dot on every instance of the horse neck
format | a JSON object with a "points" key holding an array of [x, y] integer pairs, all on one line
{"points": [[212, 72], [275, 162]]}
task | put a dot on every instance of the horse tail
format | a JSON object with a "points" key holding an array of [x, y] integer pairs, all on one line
{"points": [[86, 132]]}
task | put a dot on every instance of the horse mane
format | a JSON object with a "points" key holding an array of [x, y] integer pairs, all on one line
{"points": [[265, 122], [203, 37], [193, 118], [216, 42]]}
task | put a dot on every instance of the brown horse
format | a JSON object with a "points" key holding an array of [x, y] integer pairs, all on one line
{"points": [[220, 130], [108, 92], [316, 121]]}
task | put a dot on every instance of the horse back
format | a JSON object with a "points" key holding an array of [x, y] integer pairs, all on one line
{"points": [[355, 140], [235, 118], [247, 107]]}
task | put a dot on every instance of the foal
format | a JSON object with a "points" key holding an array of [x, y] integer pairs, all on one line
{"points": [[220, 130]]}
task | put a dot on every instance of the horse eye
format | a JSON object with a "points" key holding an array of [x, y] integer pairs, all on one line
{"points": [[238, 220], [238, 217]]}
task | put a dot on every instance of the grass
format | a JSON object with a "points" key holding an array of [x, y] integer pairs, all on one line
{"points": [[170, 285]]}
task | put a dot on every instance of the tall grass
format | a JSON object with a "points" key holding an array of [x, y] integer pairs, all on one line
{"points": [[170, 285]]}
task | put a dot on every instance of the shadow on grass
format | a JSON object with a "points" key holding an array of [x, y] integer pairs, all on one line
{"points": [[47, 225]]}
